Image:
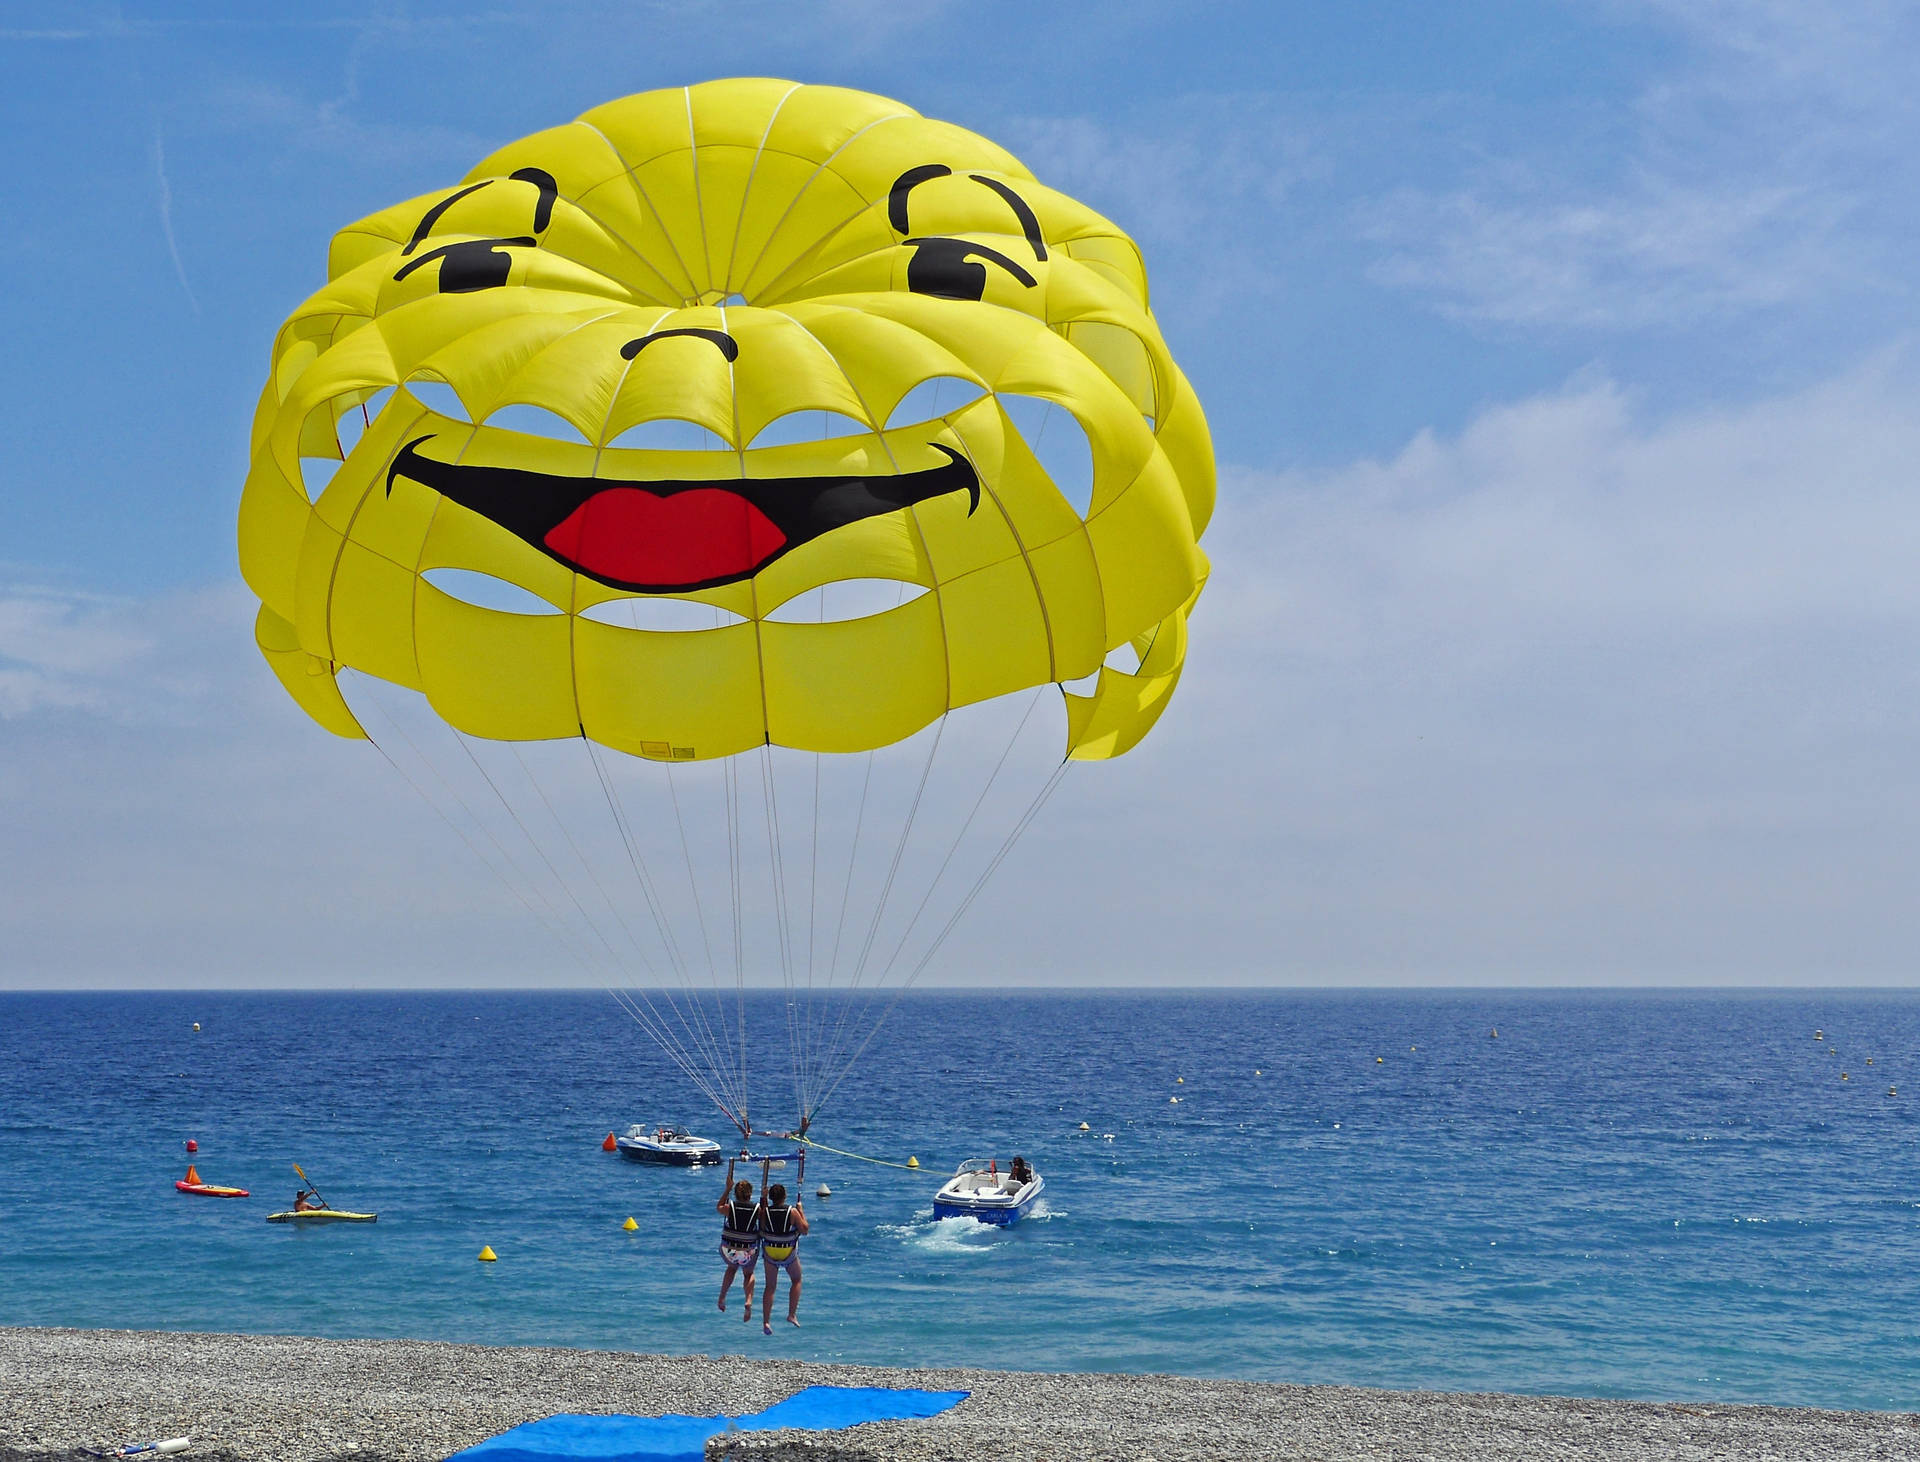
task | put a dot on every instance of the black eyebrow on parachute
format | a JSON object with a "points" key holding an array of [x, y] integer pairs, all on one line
{"points": [[726, 344], [926, 172], [542, 209]]}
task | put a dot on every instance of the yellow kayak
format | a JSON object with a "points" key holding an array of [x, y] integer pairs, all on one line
{"points": [[322, 1215]]}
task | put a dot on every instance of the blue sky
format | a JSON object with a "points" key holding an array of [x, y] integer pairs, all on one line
{"points": [[1559, 358]]}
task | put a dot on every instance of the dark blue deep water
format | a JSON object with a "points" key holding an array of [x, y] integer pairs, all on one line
{"points": [[1664, 1196]]}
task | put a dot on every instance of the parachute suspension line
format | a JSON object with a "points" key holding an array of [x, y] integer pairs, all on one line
{"points": [[520, 889], [700, 917], [551, 919], [959, 837], [813, 909], [818, 1033], [739, 945], [952, 849], [782, 919], [803, 1062], [703, 1038], [709, 1050], [1040, 800], [899, 852], [886, 889], [710, 1043], [646, 962], [693, 883], [663, 1039], [441, 813], [566, 888]]}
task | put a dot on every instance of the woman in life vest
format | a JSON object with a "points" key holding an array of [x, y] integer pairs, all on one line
{"points": [[780, 1228], [739, 1244]]}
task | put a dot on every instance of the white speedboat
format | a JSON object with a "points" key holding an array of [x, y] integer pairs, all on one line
{"points": [[674, 1146], [978, 1189]]}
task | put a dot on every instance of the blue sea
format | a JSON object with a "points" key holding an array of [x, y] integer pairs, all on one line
{"points": [[1668, 1196]]}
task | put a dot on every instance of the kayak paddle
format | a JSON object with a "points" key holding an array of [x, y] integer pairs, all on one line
{"points": [[310, 1187]]}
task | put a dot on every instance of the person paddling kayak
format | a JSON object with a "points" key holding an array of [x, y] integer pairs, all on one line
{"points": [[307, 1201]]}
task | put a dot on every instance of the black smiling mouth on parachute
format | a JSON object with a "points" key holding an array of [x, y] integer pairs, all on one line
{"points": [[666, 536]]}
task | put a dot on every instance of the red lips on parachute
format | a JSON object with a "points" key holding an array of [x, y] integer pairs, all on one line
{"points": [[693, 537]]}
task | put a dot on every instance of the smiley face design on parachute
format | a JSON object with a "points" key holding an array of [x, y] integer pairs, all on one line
{"points": [[667, 535], [659, 535], [733, 256]]}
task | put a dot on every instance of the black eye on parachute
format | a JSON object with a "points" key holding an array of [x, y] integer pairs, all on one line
{"points": [[476, 264], [944, 267]]}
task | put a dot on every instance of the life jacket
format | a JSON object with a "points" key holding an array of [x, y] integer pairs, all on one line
{"points": [[738, 1228], [778, 1235]]}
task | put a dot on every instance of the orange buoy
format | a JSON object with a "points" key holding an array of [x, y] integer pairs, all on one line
{"points": [[193, 1174], [609, 1145]]}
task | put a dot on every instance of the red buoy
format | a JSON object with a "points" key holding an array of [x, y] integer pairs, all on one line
{"points": [[192, 1146], [609, 1145]]}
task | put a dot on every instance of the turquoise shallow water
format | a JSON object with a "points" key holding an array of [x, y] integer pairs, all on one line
{"points": [[1665, 1196]]}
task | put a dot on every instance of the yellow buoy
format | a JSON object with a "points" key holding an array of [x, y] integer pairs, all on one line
{"points": [[629, 1225], [1173, 1101], [913, 1162], [487, 1256], [196, 1025], [1413, 1048], [1843, 1076], [1179, 1081], [1085, 1128], [1256, 1071], [1379, 1060]]}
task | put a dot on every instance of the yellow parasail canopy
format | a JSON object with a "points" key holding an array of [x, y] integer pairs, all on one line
{"points": [[728, 255]]}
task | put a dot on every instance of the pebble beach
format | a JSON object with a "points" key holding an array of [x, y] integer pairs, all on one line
{"points": [[299, 1400]]}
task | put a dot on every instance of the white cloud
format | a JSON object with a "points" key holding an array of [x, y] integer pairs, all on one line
{"points": [[1660, 256], [1198, 184], [1572, 695], [60, 649], [1770, 165], [1568, 511]]}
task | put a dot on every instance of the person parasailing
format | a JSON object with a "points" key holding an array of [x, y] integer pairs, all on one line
{"points": [[780, 1227], [739, 1242]]}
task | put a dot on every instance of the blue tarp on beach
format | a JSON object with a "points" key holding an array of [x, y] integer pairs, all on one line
{"points": [[684, 1438]]}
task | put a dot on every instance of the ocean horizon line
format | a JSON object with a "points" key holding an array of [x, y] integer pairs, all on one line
{"points": [[993, 990]]}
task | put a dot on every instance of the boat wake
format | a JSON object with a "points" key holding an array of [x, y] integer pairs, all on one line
{"points": [[930, 1235]]}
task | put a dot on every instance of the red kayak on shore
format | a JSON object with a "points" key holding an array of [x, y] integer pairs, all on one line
{"points": [[210, 1190]]}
